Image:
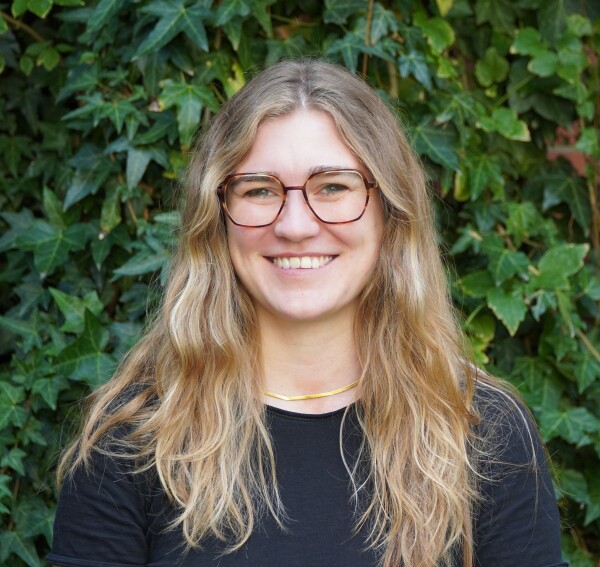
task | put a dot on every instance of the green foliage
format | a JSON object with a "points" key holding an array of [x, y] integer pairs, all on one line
{"points": [[99, 104]]}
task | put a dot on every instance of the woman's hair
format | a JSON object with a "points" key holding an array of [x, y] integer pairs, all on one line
{"points": [[188, 394]]}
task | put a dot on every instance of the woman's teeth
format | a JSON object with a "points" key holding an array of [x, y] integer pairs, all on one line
{"points": [[302, 262]]}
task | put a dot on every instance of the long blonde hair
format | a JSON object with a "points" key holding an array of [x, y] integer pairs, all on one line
{"points": [[188, 393]]}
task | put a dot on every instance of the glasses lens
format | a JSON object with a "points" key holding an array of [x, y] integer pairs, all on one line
{"points": [[337, 196], [253, 200]]}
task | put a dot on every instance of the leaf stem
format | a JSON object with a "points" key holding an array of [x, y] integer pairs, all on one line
{"points": [[132, 213], [295, 21], [473, 314], [588, 345], [512, 91], [19, 25]]}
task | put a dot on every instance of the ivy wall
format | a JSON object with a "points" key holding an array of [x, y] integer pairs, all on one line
{"points": [[99, 103]]}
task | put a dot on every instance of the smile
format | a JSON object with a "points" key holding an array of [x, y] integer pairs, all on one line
{"points": [[302, 262]]}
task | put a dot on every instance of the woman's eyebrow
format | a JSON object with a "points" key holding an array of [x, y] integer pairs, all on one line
{"points": [[311, 171], [321, 168]]}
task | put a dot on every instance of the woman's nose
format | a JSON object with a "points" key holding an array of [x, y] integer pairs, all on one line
{"points": [[296, 221]]}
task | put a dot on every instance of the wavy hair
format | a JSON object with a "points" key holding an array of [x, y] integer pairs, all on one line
{"points": [[188, 393]]}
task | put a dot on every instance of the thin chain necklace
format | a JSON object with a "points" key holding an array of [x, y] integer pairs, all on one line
{"points": [[311, 396]]}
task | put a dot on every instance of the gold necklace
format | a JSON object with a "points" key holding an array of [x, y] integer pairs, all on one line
{"points": [[311, 396]]}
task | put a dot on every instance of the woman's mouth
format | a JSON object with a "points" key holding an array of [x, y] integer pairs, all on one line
{"points": [[302, 262]]}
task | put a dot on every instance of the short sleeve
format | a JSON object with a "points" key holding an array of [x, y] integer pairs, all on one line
{"points": [[517, 520], [101, 519]]}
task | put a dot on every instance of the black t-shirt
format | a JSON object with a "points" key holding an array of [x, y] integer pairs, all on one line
{"points": [[111, 518]]}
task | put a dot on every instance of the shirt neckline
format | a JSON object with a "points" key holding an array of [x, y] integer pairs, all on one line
{"points": [[307, 416]]}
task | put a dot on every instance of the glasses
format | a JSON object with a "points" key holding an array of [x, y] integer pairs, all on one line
{"points": [[335, 196]]}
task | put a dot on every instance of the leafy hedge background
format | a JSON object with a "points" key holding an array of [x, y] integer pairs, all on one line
{"points": [[99, 103]]}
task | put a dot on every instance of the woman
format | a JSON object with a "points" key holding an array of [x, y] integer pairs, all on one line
{"points": [[302, 397]]}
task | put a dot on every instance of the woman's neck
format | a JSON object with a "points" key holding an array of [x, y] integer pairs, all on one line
{"points": [[308, 357]]}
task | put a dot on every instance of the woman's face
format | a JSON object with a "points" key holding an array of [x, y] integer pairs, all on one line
{"points": [[290, 147]]}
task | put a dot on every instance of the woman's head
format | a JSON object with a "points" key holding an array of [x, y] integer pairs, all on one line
{"points": [[368, 129]]}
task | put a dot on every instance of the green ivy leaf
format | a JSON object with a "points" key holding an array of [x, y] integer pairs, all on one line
{"points": [[572, 61], [588, 142], [3, 26], [543, 391], [53, 209], [558, 263], [16, 543], [499, 13], [175, 17], [229, 9], [338, 11], [437, 144], [50, 245], [14, 460], [117, 112], [19, 223], [34, 518], [506, 123], [383, 22], [49, 58], [233, 31], [73, 308], [189, 101], [193, 25], [444, 6], [572, 424], [85, 359], [476, 284], [484, 173], [574, 485], [26, 65], [350, 47], [103, 13], [528, 42], [510, 308], [437, 31], [110, 216], [41, 8], [544, 64], [586, 370], [92, 170], [503, 263], [11, 411], [18, 7], [563, 188], [552, 18], [523, 220], [27, 329], [492, 68], [5, 486], [49, 388], [261, 12], [579, 25], [144, 262], [593, 509], [137, 162], [414, 63]]}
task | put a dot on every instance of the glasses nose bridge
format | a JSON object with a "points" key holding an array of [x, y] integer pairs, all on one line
{"points": [[296, 188]]}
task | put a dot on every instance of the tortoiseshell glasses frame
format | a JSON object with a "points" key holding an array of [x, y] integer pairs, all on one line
{"points": [[236, 177]]}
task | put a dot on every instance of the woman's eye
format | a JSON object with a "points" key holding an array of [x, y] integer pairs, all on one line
{"points": [[258, 192], [333, 188]]}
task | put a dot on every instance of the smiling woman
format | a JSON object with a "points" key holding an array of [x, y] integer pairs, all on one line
{"points": [[303, 398]]}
